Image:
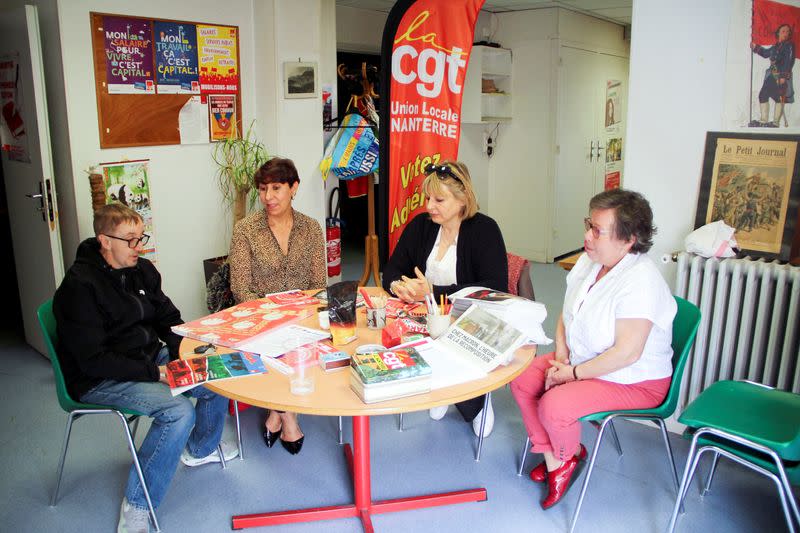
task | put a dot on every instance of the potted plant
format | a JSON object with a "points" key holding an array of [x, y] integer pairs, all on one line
{"points": [[237, 161]]}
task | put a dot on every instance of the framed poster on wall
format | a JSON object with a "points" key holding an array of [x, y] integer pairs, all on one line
{"points": [[751, 182]]}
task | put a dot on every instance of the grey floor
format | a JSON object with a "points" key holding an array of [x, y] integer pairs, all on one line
{"points": [[629, 493]]}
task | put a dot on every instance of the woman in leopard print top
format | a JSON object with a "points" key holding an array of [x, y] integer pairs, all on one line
{"points": [[273, 250]]}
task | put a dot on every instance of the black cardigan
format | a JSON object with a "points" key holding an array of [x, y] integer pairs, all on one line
{"points": [[480, 254]]}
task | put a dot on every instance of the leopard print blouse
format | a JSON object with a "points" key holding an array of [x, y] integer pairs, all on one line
{"points": [[258, 266]]}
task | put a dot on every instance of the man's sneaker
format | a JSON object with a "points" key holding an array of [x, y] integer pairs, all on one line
{"points": [[476, 422], [437, 413], [133, 519], [229, 451]]}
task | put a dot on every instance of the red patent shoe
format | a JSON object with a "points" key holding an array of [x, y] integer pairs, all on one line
{"points": [[559, 480], [539, 472]]}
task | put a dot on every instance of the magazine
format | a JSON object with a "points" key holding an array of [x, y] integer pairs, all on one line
{"points": [[185, 374], [483, 338], [388, 374], [521, 313], [292, 297], [236, 325]]}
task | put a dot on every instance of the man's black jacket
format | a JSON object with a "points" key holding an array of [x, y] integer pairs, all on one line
{"points": [[111, 321]]}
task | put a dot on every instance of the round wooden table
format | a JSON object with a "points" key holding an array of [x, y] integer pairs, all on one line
{"points": [[332, 396]]}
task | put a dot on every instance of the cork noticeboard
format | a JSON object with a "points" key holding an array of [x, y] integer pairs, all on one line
{"points": [[142, 106]]}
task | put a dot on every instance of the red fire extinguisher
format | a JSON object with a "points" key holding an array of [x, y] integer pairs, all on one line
{"points": [[333, 237]]}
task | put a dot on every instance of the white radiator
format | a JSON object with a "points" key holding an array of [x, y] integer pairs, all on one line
{"points": [[750, 327]]}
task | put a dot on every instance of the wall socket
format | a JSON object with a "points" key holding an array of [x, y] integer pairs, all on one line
{"points": [[488, 144]]}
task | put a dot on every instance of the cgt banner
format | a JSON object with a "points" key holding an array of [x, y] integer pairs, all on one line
{"points": [[429, 42]]}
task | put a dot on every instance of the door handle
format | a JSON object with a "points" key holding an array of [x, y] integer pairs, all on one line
{"points": [[591, 150], [39, 196]]}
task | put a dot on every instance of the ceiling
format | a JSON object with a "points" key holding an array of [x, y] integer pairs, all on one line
{"points": [[618, 11]]}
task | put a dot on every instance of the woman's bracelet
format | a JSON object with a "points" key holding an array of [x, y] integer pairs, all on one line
{"points": [[575, 372]]}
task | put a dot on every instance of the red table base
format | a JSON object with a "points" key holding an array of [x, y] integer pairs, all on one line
{"points": [[363, 507]]}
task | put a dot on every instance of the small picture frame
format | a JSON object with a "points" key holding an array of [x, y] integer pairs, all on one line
{"points": [[752, 183], [299, 79]]}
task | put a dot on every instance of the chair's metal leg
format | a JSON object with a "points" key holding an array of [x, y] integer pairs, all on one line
{"points": [[221, 456], [400, 422], [688, 471], [597, 442], [138, 468], [238, 430], [486, 401], [714, 461], [524, 455], [787, 488], [67, 432], [617, 445], [135, 426], [341, 439], [662, 426]]}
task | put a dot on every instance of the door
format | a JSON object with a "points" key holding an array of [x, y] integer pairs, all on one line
{"points": [[28, 166], [581, 138], [576, 135]]}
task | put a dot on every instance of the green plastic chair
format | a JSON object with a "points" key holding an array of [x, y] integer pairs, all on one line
{"points": [[76, 410], [751, 424], [684, 330]]}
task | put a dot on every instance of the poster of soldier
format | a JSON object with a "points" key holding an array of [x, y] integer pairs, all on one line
{"points": [[750, 182]]}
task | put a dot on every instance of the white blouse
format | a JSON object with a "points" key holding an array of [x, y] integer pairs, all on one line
{"points": [[634, 288], [441, 272]]}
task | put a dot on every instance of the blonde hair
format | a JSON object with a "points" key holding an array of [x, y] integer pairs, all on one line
{"points": [[108, 217], [459, 186]]}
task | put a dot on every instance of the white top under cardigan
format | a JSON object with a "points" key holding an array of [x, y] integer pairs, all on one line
{"points": [[634, 288], [442, 272]]}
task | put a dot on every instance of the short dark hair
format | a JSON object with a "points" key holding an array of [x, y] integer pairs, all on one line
{"points": [[632, 216], [277, 170], [108, 217]]}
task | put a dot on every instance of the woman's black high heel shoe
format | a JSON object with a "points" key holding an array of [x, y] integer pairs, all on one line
{"points": [[293, 447], [270, 437]]}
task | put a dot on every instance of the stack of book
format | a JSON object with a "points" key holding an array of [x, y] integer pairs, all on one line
{"points": [[388, 374]]}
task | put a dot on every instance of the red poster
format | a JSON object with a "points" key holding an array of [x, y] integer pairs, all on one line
{"points": [[430, 53], [768, 17]]}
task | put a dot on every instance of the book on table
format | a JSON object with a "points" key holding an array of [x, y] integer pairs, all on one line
{"points": [[388, 374], [236, 325], [185, 374]]}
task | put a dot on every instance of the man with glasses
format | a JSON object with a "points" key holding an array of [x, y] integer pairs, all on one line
{"points": [[114, 334]]}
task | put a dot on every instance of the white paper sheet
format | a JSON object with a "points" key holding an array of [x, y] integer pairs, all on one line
{"points": [[282, 340], [193, 122], [447, 367]]}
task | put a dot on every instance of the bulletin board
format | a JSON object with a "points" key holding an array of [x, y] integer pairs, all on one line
{"points": [[154, 79]]}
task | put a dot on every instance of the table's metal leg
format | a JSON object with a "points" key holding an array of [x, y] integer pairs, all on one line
{"points": [[486, 400]]}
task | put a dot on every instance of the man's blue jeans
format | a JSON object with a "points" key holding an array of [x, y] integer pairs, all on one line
{"points": [[174, 418]]}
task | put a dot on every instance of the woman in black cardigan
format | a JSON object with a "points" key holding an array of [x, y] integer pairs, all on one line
{"points": [[450, 247]]}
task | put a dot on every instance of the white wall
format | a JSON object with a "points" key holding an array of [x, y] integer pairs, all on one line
{"points": [[359, 30], [676, 94]]}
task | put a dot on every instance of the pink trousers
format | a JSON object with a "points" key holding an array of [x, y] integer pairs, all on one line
{"points": [[551, 417]]}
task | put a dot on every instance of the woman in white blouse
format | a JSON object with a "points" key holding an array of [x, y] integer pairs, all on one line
{"points": [[448, 247], [613, 339]]}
